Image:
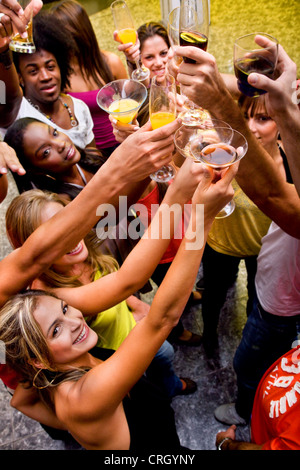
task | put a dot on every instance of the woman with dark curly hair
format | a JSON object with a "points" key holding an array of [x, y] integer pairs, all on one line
{"points": [[34, 85]]}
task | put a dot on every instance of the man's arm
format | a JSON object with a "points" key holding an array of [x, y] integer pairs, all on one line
{"points": [[282, 104], [258, 175]]}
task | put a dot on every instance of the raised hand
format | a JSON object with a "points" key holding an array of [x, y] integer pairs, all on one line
{"points": [[9, 160], [12, 12], [146, 150]]}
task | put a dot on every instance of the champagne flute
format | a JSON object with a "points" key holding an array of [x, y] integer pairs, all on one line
{"points": [[219, 149], [173, 31], [193, 31], [250, 57], [127, 33], [162, 110]]}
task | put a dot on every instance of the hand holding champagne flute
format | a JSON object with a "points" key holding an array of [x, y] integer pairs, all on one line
{"points": [[162, 110], [127, 34]]}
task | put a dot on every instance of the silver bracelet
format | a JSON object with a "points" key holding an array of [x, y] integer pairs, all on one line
{"points": [[222, 442]]}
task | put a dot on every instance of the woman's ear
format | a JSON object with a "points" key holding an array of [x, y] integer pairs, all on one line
{"points": [[37, 364]]}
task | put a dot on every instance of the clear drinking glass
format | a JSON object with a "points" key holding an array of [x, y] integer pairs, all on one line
{"points": [[124, 24], [18, 43], [162, 110], [219, 147], [122, 99], [252, 55]]}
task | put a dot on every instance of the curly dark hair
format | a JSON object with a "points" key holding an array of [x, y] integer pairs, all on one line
{"points": [[49, 34]]}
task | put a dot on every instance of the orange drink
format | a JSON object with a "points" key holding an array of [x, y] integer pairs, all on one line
{"points": [[127, 35], [127, 106], [161, 118]]}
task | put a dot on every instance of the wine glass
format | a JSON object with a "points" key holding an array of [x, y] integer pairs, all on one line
{"points": [[122, 99], [162, 110], [193, 31], [186, 134], [219, 149], [127, 33], [173, 31], [250, 57]]}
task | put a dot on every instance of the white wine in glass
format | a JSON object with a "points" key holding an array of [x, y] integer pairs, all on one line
{"points": [[124, 24], [162, 111]]}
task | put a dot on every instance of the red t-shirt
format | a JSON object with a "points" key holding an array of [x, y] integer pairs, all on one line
{"points": [[8, 376], [151, 204], [275, 419]]}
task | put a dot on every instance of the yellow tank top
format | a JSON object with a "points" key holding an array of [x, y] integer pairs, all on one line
{"points": [[112, 325], [240, 233]]}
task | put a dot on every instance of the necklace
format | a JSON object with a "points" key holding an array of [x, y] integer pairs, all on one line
{"points": [[72, 118]]}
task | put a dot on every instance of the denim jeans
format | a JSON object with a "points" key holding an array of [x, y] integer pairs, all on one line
{"points": [[219, 274], [161, 370], [266, 338]]}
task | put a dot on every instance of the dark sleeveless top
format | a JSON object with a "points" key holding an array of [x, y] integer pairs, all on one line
{"points": [[149, 415]]}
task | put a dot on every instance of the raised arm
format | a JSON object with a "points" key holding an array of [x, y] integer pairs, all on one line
{"points": [[8, 74], [258, 175], [124, 173], [132, 358], [282, 104]]}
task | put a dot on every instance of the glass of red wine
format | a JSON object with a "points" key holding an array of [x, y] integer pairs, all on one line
{"points": [[193, 25], [193, 31], [219, 148], [255, 52]]}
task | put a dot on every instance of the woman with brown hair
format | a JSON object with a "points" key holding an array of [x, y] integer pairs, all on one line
{"points": [[99, 402], [84, 264]]}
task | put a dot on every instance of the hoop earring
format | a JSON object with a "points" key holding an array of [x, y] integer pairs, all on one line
{"points": [[45, 386]]}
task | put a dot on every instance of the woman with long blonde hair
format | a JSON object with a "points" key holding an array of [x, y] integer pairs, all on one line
{"points": [[84, 264], [96, 406]]}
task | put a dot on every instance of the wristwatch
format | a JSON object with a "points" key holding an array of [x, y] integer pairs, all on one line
{"points": [[222, 442]]}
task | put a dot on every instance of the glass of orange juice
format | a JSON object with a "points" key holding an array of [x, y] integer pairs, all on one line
{"points": [[19, 43], [162, 110], [124, 24]]}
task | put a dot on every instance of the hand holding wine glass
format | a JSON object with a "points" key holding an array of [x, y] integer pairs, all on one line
{"points": [[193, 31], [162, 110], [250, 56], [127, 34], [219, 148]]}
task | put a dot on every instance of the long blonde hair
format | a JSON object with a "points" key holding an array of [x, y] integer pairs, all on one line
{"points": [[25, 345], [24, 216]]}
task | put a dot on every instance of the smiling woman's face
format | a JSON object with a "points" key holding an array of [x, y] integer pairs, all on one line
{"points": [[154, 55], [67, 334], [48, 149]]}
